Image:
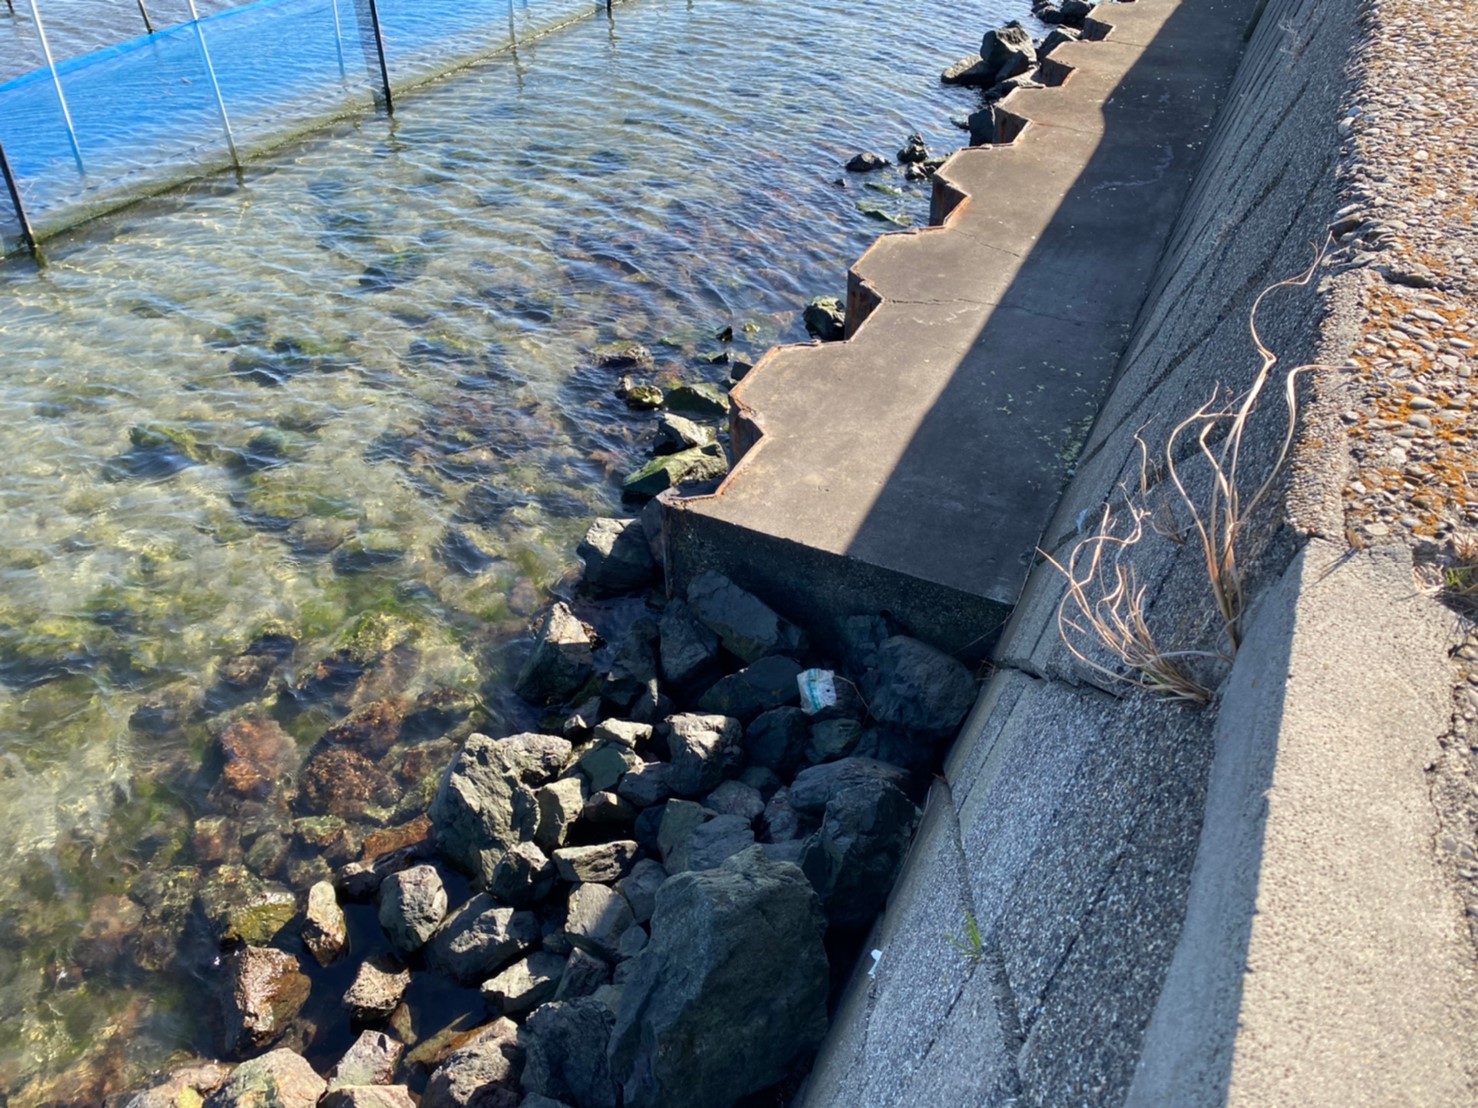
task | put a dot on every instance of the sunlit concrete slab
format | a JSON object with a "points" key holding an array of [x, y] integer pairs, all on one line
{"points": [[913, 467]]}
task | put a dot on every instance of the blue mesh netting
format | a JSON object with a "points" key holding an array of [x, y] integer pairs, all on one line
{"points": [[145, 112]]}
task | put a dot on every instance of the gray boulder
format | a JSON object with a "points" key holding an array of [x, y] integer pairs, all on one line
{"points": [[584, 973], [777, 739], [675, 432], [730, 991], [633, 665], [479, 938], [628, 733], [481, 1074], [616, 556], [486, 804], [853, 860], [604, 763], [746, 626], [602, 863], [735, 798], [595, 919], [368, 1096], [970, 72], [526, 984], [780, 822], [563, 659], [278, 1078], [689, 650], [1007, 52], [264, 991], [609, 813], [523, 877], [832, 739], [565, 1044], [703, 748], [679, 820], [1055, 38], [370, 1060], [918, 688], [378, 986], [646, 784], [709, 844], [825, 318], [558, 805], [702, 401], [412, 905], [768, 683], [640, 886], [814, 787], [325, 932]]}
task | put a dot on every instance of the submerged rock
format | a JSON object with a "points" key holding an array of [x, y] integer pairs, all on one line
{"points": [[729, 992], [265, 991], [700, 400], [370, 1060]]}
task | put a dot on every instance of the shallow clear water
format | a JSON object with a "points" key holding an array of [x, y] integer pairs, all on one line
{"points": [[360, 383]]}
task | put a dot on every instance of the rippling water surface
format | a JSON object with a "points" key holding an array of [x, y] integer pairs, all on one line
{"points": [[359, 387]]}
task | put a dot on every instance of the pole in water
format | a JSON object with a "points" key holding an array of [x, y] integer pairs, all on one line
{"points": [[380, 48], [339, 39], [57, 82], [20, 210], [148, 23], [214, 84]]}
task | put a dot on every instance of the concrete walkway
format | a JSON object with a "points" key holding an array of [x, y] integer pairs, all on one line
{"points": [[913, 467]]}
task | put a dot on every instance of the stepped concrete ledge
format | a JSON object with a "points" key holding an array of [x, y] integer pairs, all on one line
{"points": [[912, 467]]}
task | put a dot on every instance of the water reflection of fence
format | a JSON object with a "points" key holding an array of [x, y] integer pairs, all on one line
{"points": [[84, 135]]}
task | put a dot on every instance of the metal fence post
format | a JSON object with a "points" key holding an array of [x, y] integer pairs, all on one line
{"points": [[57, 82], [214, 84], [380, 49], [13, 187], [148, 23]]}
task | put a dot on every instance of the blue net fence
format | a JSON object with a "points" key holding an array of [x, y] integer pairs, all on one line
{"points": [[105, 128]]}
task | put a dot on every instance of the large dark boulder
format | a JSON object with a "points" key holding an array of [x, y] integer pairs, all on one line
{"points": [[486, 801], [813, 788], [777, 739], [412, 904], [745, 624], [703, 748], [769, 683], [853, 860], [920, 689], [689, 650], [1007, 52], [617, 558], [565, 1059], [729, 993], [479, 938]]}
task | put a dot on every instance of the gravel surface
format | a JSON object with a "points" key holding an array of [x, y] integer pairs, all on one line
{"points": [[1410, 173]]}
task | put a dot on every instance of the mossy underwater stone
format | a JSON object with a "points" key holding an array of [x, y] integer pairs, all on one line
{"points": [[703, 463], [698, 399]]}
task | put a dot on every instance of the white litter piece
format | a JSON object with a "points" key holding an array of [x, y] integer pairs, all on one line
{"points": [[877, 957], [818, 690]]}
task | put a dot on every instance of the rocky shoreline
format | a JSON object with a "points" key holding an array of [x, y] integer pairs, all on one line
{"points": [[652, 897], [647, 899]]}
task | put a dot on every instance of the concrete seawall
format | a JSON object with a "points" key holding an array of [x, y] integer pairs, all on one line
{"points": [[1239, 904]]}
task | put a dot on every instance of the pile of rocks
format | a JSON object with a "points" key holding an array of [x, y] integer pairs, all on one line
{"points": [[1009, 60], [649, 892]]}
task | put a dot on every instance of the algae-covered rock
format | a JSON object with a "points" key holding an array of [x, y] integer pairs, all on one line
{"points": [[704, 463], [241, 908], [698, 399], [825, 319]]}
